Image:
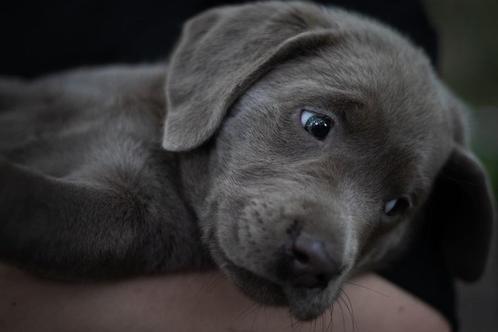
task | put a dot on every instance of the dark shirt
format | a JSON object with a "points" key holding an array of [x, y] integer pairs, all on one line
{"points": [[40, 37]]}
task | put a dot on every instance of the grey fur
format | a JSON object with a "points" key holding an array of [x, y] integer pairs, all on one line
{"points": [[87, 192]]}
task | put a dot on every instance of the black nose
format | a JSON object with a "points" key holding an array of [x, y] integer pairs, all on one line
{"points": [[309, 265]]}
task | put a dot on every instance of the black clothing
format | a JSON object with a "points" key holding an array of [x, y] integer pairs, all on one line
{"points": [[421, 271], [40, 37]]}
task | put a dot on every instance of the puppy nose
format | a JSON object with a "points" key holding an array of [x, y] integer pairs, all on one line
{"points": [[310, 265]]}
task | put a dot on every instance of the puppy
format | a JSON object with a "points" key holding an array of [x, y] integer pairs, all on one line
{"points": [[292, 145]]}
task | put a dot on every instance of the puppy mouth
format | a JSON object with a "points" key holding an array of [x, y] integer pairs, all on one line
{"points": [[304, 304], [258, 288]]}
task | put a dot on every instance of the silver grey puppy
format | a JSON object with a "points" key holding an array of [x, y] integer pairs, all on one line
{"points": [[292, 145]]}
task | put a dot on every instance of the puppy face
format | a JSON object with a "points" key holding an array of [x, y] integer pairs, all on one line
{"points": [[351, 185], [323, 151]]}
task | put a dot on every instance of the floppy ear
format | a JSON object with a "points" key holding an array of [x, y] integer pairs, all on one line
{"points": [[463, 201], [221, 53]]}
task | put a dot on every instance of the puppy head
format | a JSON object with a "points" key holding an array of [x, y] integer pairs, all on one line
{"points": [[329, 137]]}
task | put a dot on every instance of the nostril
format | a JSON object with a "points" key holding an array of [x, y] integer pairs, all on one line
{"points": [[322, 280], [310, 251], [300, 256], [309, 264]]}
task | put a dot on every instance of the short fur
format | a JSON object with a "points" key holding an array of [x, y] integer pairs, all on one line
{"points": [[93, 187]]}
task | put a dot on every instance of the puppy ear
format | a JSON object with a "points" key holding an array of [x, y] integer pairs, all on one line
{"points": [[221, 53], [463, 201]]}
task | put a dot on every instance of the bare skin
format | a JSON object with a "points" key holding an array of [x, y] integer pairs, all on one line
{"points": [[196, 302]]}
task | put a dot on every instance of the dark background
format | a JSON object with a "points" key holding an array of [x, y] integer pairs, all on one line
{"points": [[468, 38], [44, 36]]}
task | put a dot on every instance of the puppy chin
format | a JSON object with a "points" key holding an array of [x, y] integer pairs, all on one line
{"points": [[257, 288], [308, 304], [304, 304]]}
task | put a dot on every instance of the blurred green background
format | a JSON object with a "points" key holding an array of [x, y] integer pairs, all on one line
{"points": [[468, 35], [468, 32]]}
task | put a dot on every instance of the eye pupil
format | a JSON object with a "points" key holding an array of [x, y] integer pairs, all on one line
{"points": [[396, 206], [318, 126]]}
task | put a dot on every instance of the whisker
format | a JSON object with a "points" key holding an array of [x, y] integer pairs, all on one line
{"points": [[349, 306], [256, 312], [367, 288], [244, 313], [330, 326], [343, 304], [292, 321], [342, 312]]}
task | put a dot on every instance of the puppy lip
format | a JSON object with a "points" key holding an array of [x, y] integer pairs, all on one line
{"points": [[309, 304], [266, 291], [254, 286]]}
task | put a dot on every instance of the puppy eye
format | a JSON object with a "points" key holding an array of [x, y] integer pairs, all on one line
{"points": [[396, 206], [317, 125]]}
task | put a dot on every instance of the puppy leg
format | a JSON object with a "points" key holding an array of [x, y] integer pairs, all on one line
{"points": [[15, 92], [75, 231]]}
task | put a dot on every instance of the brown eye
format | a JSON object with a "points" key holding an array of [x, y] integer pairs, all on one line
{"points": [[396, 206], [317, 125]]}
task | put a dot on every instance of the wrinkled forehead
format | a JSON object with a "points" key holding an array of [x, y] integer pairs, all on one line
{"points": [[381, 74], [378, 87], [387, 96]]}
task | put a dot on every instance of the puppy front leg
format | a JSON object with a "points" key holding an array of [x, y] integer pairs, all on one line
{"points": [[16, 92], [68, 230]]}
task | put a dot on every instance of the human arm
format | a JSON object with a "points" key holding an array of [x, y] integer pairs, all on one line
{"points": [[197, 302]]}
